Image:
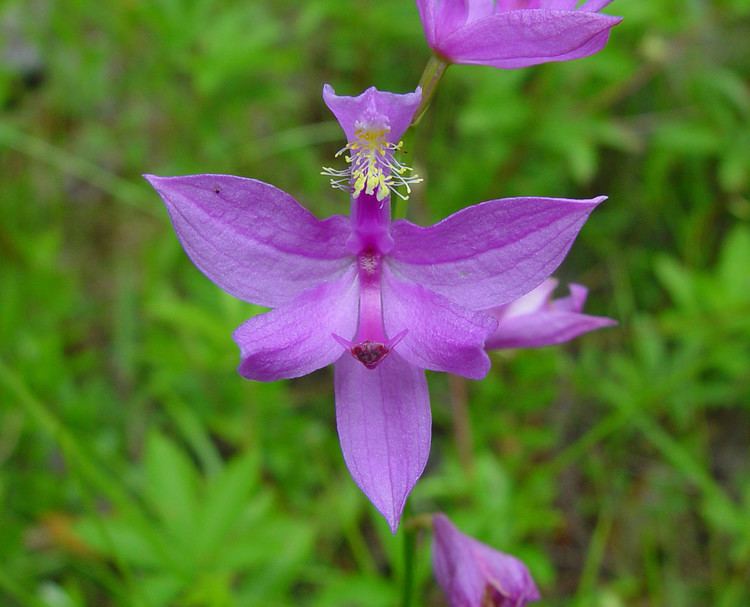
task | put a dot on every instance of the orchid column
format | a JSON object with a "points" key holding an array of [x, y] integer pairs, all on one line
{"points": [[382, 402]]}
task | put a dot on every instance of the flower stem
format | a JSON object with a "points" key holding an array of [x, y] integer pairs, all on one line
{"points": [[409, 535], [433, 72]]}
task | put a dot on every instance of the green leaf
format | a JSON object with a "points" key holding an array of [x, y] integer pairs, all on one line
{"points": [[227, 496], [171, 485]]}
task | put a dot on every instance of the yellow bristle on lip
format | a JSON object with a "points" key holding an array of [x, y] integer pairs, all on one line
{"points": [[372, 167]]}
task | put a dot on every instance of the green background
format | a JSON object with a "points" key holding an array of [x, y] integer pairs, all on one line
{"points": [[138, 469]]}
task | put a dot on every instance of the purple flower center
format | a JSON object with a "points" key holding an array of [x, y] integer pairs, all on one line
{"points": [[371, 345]]}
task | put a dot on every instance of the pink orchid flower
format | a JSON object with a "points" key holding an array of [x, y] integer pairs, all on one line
{"points": [[381, 300]]}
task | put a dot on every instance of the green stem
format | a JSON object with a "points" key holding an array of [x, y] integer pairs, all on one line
{"points": [[433, 73], [410, 548]]}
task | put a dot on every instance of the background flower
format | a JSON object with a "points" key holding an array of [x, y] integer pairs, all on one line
{"points": [[474, 575], [536, 319], [514, 33]]}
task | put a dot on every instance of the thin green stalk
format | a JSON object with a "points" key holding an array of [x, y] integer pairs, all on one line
{"points": [[409, 538], [433, 73], [431, 76]]}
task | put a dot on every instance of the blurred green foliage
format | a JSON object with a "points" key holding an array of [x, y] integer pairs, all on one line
{"points": [[139, 470]]}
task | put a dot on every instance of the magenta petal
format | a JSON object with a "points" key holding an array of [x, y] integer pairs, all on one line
{"points": [[383, 419], [450, 14], [473, 575], [252, 239], [396, 109], [490, 253], [441, 335], [297, 338], [427, 16], [520, 38]]}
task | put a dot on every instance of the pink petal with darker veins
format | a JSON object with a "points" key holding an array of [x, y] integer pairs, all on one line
{"points": [[520, 38], [383, 419], [441, 335], [297, 338], [490, 253], [252, 239]]}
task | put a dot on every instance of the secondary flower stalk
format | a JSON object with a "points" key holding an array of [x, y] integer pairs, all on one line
{"points": [[382, 300]]}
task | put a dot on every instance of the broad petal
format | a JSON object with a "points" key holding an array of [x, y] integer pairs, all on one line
{"points": [[490, 253], [383, 420], [252, 239], [397, 109], [441, 336], [515, 39], [297, 338]]}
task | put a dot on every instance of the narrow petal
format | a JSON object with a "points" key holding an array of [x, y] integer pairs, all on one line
{"points": [[383, 419], [544, 329], [441, 335], [252, 239], [520, 38], [297, 338], [397, 109], [490, 253]]}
